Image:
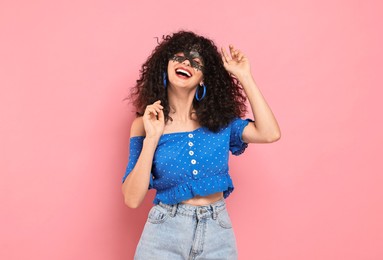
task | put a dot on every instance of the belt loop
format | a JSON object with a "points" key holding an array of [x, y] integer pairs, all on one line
{"points": [[174, 210], [214, 215]]}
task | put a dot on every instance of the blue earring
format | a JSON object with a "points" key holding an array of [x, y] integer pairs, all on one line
{"points": [[203, 93], [165, 80]]}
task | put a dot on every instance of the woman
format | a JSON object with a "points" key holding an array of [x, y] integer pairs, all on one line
{"points": [[189, 100]]}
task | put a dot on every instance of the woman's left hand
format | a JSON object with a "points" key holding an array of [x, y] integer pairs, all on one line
{"points": [[236, 63]]}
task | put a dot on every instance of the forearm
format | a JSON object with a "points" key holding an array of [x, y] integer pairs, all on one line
{"points": [[136, 184], [265, 122]]}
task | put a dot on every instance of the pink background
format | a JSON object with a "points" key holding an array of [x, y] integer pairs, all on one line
{"points": [[65, 67]]}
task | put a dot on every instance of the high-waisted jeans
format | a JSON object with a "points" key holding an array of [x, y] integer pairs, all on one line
{"points": [[186, 232]]}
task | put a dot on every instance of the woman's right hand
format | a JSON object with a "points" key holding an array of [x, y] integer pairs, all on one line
{"points": [[154, 120]]}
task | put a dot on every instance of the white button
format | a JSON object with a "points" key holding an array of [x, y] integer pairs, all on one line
{"points": [[191, 152], [193, 161], [190, 144], [195, 172], [190, 135]]}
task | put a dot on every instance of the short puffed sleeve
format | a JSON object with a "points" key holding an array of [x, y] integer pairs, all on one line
{"points": [[135, 148], [237, 145]]}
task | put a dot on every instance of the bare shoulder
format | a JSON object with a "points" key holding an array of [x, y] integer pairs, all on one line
{"points": [[137, 128]]}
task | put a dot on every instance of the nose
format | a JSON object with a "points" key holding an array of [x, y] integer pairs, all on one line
{"points": [[186, 62]]}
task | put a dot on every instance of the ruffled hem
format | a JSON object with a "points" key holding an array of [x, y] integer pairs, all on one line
{"points": [[237, 145], [240, 150], [185, 191]]}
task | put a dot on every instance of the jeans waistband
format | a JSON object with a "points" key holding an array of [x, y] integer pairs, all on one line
{"points": [[198, 212]]}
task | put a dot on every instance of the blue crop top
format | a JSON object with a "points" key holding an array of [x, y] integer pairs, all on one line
{"points": [[187, 164]]}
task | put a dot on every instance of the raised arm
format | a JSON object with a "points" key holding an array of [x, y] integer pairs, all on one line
{"points": [[265, 129], [151, 125]]}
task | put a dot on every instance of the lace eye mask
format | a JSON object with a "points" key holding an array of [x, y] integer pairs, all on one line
{"points": [[190, 56]]}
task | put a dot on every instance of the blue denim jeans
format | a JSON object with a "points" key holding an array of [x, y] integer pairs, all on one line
{"points": [[186, 232]]}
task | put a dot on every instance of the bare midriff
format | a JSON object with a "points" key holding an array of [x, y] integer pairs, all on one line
{"points": [[204, 200]]}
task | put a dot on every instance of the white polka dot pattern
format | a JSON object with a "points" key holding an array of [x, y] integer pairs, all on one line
{"points": [[191, 163]]}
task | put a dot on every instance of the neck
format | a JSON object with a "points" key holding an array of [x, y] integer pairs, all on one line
{"points": [[181, 104]]}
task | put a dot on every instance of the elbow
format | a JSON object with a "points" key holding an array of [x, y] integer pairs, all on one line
{"points": [[133, 204], [274, 137], [131, 200]]}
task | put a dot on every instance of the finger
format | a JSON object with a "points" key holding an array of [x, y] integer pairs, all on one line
{"points": [[236, 53], [161, 116], [240, 56], [150, 110], [232, 51], [225, 56], [157, 104], [151, 114], [157, 107]]}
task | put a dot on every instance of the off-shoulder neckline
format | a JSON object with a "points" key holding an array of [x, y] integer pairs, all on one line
{"points": [[173, 133]]}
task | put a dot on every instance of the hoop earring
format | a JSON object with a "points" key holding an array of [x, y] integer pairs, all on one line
{"points": [[165, 79], [203, 93]]}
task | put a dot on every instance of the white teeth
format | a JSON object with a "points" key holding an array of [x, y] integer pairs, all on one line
{"points": [[184, 72]]}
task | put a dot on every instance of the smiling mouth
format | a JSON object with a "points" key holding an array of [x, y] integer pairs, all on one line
{"points": [[183, 73]]}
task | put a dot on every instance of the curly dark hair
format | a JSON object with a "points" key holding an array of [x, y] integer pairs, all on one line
{"points": [[224, 98]]}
